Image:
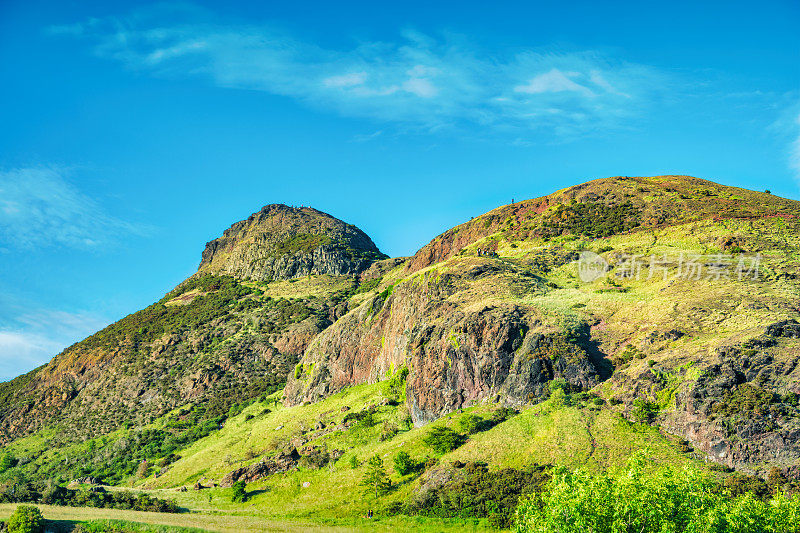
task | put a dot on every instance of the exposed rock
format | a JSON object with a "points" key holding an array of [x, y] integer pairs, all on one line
{"points": [[784, 328], [281, 242], [283, 462], [88, 480], [457, 358]]}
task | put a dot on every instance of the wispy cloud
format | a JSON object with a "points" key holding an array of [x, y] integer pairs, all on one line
{"points": [[417, 80], [21, 352], [40, 207], [34, 337]]}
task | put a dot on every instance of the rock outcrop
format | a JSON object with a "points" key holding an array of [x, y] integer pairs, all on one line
{"points": [[492, 310], [458, 348], [280, 242], [282, 462]]}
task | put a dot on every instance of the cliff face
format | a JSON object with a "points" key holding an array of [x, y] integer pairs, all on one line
{"points": [[280, 242], [462, 339]]}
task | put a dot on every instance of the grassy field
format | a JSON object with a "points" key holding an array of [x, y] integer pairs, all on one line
{"points": [[233, 523]]}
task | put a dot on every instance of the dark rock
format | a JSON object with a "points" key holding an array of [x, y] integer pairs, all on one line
{"points": [[784, 328], [282, 462], [456, 359], [88, 480]]}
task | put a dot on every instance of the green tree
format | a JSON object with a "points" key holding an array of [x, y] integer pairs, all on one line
{"points": [[239, 492], [375, 480], [26, 519], [404, 464]]}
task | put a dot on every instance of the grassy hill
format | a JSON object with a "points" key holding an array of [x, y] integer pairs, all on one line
{"points": [[684, 343]]}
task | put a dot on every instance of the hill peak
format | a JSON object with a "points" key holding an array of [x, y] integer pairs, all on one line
{"points": [[608, 206], [283, 242]]}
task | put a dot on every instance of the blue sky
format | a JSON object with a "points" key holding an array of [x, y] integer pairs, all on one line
{"points": [[133, 132]]}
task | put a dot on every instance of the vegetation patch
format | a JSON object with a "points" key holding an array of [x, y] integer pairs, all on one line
{"points": [[592, 219], [51, 494], [442, 439], [640, 500], [302, 242], [481, 493]]}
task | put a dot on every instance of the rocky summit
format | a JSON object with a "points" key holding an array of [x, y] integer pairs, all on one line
{"points": [[661, 311], [281, 242]]}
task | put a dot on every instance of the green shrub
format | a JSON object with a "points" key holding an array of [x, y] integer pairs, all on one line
{"points": [[501, 414], [591, 219], [125, 526], [7, 461], [404, 464], [26, 519], [482, 494], [367, 286], [354, 463], [644, 411], [388, 431], [387, 292], [471, 424], [364, 418], [397, 383], [639, 500], [745, 399], [239, 492], [442, 439]]}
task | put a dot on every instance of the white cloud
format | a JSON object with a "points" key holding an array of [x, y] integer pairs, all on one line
{"points": [[554, 81], [21, 352], [346, 80], [420, 87], [365, 137], [419, 81], [39, 207], [31, 337]]}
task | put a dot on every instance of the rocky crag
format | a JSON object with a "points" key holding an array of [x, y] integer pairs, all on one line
{"points": [[280, 243]]}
